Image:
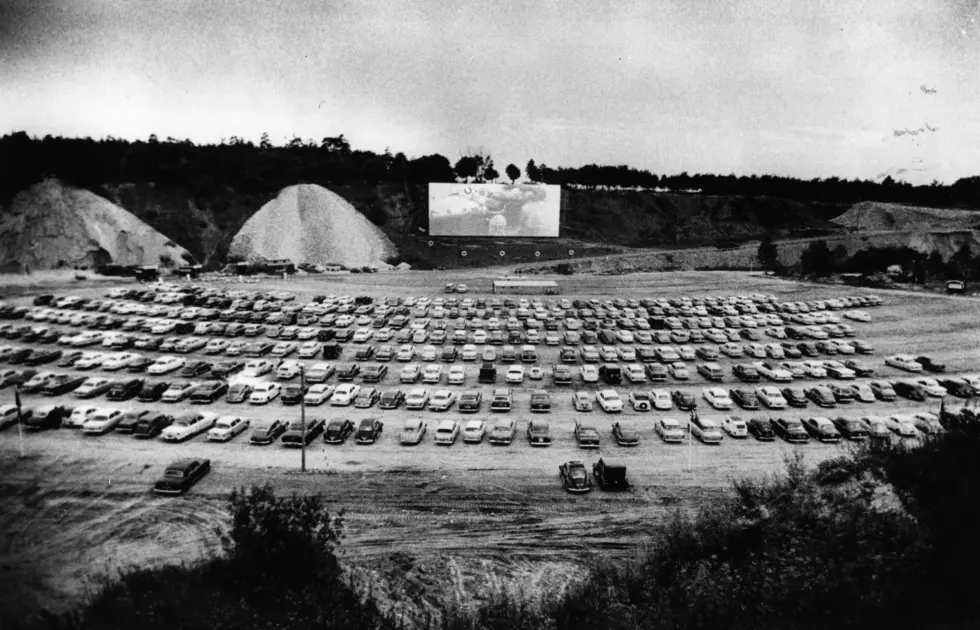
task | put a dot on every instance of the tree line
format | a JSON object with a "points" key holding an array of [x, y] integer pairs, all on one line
{"points": [[235, 163]]}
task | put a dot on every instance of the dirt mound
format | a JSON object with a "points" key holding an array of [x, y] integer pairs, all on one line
{"points": [[873, 216], [53, 225], [308, 223]]}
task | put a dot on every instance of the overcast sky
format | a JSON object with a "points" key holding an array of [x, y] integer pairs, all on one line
{"points": [[810, 88]]}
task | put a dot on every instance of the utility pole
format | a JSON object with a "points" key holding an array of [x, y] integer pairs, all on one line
{"points": [[302, 414], [20, 420]]}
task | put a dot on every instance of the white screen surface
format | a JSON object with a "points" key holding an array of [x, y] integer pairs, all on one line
{"points": [[502, 210]]}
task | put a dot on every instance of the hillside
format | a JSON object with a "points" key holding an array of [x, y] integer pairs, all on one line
{"points": [[872, 216]]}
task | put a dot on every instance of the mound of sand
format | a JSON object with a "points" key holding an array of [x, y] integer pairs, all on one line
{"points": [[873, 216], [310, 224], [53, 225]]}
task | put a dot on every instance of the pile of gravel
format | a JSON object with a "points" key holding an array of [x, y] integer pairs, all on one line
{"points": [[874, 216], [310, 224], [52, 225]]}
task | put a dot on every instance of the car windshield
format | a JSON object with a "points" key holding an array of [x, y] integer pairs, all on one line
{"points": [[173, 473]]}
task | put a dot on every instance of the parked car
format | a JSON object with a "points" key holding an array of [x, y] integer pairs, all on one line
{"points": [[790, 429], [538, 432], [705, 429], [181, 475], [267, 432], [575, 477], [227, 427], [625, 433], [368, 431], [338, 430], [761, 429]]}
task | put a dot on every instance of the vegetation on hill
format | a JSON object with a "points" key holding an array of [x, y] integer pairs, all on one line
{"points": [[200, 195]]}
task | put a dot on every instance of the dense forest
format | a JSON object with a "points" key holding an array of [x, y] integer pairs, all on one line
{"points": [[203, 170]]}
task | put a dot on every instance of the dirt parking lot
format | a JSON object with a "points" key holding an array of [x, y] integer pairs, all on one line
{"points": [[467, 519]]}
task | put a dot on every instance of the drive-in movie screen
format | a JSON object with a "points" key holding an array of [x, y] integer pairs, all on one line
{"points": [[494, 210]]}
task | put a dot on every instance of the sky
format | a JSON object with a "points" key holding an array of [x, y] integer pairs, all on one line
{"points": [[815, 88]]}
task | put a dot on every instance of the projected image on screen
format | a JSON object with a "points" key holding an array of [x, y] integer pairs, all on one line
{"points": [[494, 210]]}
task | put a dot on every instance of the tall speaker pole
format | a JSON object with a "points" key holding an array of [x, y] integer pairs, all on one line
{"points": [[302, 414]]}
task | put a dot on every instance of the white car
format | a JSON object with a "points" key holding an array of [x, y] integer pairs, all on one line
{"points": [[609, 401], [165, 365], [635, 374], [469, 352], [446, 432], [842, 347], [120, 361], [318, 394], [927, 422], [344, 394], [90, 360], [639, 400], [669, 430], [661, 399], [429, 353], [406, 352], [227, 427], [814, 369], [102, 421], [457, 375], [902, 424], [931, 387], [863, 392], [775, 351], [717, 398], [590, 373], [626, 353], [755, 350], [442, 400], [474, 431], [417, 398], [858, 316], [771, 397], [187, 425], [287, 370], [904, 362], [309, 350], [432, 373], [686, 353], [515, 374], [178, 391], [79, 415], [257, 367], [265, 393], [91, 387], [679, 371], [215, 346], [362, 335], [667, 354], [773, 372], [735, 427]]}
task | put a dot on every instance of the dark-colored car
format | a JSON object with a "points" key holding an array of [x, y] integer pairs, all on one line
{"points": [[124, 390], [790, 429], [538, 432], [374, 373], [294, 432], [911, 391], [958, 388], [883, 390], [238, 393], [843, 394], [181, 475], [267, 432], [338, 430], [347, 371], [625, 433], [62, 384], [209, 391], [683, 400], [929, 365], [151, 425], [194, 368], [540, 401], [46, 417], [746, 373], [860, 368], [392, 399], [611, 373], [68, 359], [761, 429], [367, 397], [851, 428], [130, 420], [152, 392], [808, 348], [224, 369], [744, 398], [369, 431], [293, 393], [610, 475], [40, 356], [575, 477], [821, 431], [18, 355], [140, 364], [821, 396]]}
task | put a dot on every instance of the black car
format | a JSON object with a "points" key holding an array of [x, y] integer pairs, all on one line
{"points": [[152, 425], [17, 377], [683, 400], [293, 436], [40, 356], [746, 373], [124, 390], [364, 354], [68, 359], [224, 369], [958, 388], [139, 365], [293, 393], [911, 391], [821, 431], [744, 398], [808, 348], [374, 373], [18, 355], [267, 432], [790, 429], [575, 477], [194, 368], [62, 384], [347, 371], [152, 392], [761, 429], [851, 428], [338, 431], [130, 420], [47, 417], [821, 395], [929, 365], [392, 399], [209, 391], [368, 431], [238, 393], [470, 401], [843, 394], [181, 475]]}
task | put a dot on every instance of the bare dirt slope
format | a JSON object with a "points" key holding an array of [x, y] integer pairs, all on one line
{"points": [[52, 224], [876, 216], [308, 223]]}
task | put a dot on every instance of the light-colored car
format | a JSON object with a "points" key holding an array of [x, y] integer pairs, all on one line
{"points": [[609, 400], [457, 375], [717, 398], [902, 424], [581, 401], [735, 426], [442, 400], [309, 349], [187, 425], [469, 352], [474, 431], [635, 373], [661, 399], [590, 373], [120, 361], [429, 353], [413, 430], [679, 371], [432, 373], [406, 352], [264, 393], [164, 365], [931, 387], [446, 432], [515, 374], [927, 422], [318, 394], [814, 369], [92, 387], [771, 397], [417, 398], [178, 391], [410, 373], [344, 394], [904, 362], [257, 367], [773, 371], [670, 430], [287, 370], [640, 401], [78, 417], [227, 427], [102, 421], [91, 360]]}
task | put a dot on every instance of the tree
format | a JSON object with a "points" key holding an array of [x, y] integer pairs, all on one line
{"points": [[768, 254], [532, 171], [489, 172], [264, 141], [817, 259], [467, 167], [512, 172]]}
